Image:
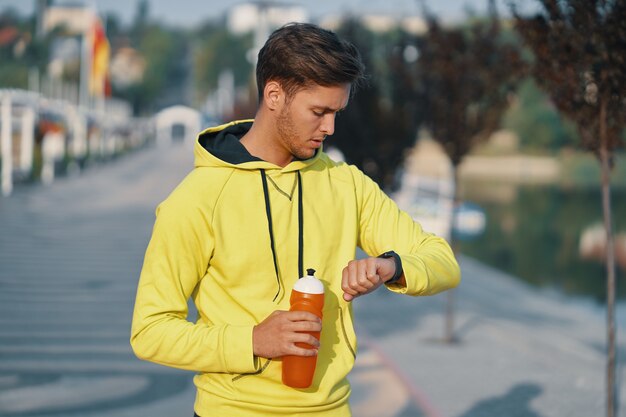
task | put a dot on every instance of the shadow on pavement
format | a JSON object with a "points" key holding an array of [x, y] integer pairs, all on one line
{"points": [[64, 394], [515, 403]]}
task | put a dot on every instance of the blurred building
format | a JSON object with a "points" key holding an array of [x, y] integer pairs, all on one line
{"points": [[379, 23], [75, 19], [177, 124], [248, 17], [261, 18], [127, 67], [8, 35]]}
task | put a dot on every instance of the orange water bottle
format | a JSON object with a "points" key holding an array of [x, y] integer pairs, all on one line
{"points": [[307, 295]]}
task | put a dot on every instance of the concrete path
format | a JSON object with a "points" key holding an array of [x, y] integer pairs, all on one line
{"points": [[520, 352], [70, 256]]}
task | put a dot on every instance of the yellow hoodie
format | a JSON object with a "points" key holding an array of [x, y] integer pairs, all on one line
{"points": [[212, 242]]}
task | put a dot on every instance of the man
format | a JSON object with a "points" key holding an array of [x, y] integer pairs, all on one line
{"points": [[263, 203]]}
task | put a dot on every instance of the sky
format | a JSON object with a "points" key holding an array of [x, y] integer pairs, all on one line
{"points": [[193, 12]]}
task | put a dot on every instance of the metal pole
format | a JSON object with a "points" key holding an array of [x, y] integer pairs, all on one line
{"points": [[85, 70], [6, 145], [79, 143], [28, 138]]}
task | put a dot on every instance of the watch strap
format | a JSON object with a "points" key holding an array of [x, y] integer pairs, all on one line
{"points": [[396, 258]]}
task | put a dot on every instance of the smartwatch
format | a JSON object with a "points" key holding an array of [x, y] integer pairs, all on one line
{"points": [[398, 261]]}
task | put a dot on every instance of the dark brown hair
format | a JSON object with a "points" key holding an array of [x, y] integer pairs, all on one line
{"points": [[299, 55]]}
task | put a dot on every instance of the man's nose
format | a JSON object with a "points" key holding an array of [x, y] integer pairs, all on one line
{"points": [[328, 124]]}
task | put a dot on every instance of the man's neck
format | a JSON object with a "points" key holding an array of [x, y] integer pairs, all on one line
{"points": [[260, 142]]}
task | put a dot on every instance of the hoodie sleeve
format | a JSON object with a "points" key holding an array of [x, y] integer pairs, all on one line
{"points": [[176, 259], [427, 260]]}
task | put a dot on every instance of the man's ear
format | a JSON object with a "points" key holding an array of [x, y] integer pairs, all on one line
{"points": [[273, 95]]}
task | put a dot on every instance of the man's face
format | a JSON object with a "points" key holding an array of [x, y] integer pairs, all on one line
{"points": [[304, 121]]}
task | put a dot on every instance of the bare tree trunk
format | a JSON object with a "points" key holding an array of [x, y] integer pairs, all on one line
{"points": [[449, 330], [610, 263]]}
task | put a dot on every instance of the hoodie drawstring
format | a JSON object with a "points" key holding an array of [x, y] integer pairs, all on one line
{"points": [[268, 213], [300, 229]]}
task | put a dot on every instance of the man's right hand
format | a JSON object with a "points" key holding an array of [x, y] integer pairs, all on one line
{"points": [[278, 334]]}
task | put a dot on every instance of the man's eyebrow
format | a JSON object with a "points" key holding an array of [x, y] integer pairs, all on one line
{"points": [[327, 109]]}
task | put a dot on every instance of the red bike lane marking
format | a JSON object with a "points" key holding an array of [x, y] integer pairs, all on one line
{"points": [[419, 398]]}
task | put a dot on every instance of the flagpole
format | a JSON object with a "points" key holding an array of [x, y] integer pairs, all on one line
{"points": [[85, 68]]}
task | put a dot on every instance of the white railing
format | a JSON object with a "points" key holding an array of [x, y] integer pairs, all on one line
{"points": [[39, 133]]}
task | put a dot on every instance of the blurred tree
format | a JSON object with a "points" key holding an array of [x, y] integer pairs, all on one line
{"points": [[580, 60], [216, 50], [165, 53], [114, 29], [467, 77], [20, 51], [140, 23], [380, 125], [536, 122]]}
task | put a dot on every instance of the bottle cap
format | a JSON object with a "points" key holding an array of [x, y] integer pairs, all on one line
{"points": [[309, 284]]}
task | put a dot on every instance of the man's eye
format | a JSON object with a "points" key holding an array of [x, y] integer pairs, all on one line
{"points": [[318, 113]]}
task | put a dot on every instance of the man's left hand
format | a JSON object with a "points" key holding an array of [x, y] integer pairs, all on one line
{"points": [[363, 276]]}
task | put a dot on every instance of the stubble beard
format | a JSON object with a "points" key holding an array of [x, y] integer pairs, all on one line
{"points": [[288, 135]]}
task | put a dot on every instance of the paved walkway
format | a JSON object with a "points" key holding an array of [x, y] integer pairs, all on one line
{"points": [[70, 256], [521, 352]]}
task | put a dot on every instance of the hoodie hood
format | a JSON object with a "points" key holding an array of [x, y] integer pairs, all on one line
{"points": [[221, 146]]}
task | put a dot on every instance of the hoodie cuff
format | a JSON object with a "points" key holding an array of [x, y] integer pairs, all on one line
{"points": [[237, 348]]}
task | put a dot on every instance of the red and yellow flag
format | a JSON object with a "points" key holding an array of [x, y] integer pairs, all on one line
{"points": [[99, 84]]}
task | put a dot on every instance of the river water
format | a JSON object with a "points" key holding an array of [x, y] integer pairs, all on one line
{"points": [[533, 232]]}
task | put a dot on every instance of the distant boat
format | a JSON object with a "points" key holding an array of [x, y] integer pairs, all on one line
{"points": [[592, 245], [470, 221]]}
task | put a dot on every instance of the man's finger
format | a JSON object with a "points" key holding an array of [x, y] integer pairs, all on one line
{"points": [[298, 351], [368, 281], [306, 338], [345, 281], [356, 286], [305, 326], [299, 315]]}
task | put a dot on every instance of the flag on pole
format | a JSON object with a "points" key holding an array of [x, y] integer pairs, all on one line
{"points": [[99, 83]]}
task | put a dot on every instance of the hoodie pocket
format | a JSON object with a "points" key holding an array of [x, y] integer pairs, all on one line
{"points": [[347, 330]]}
